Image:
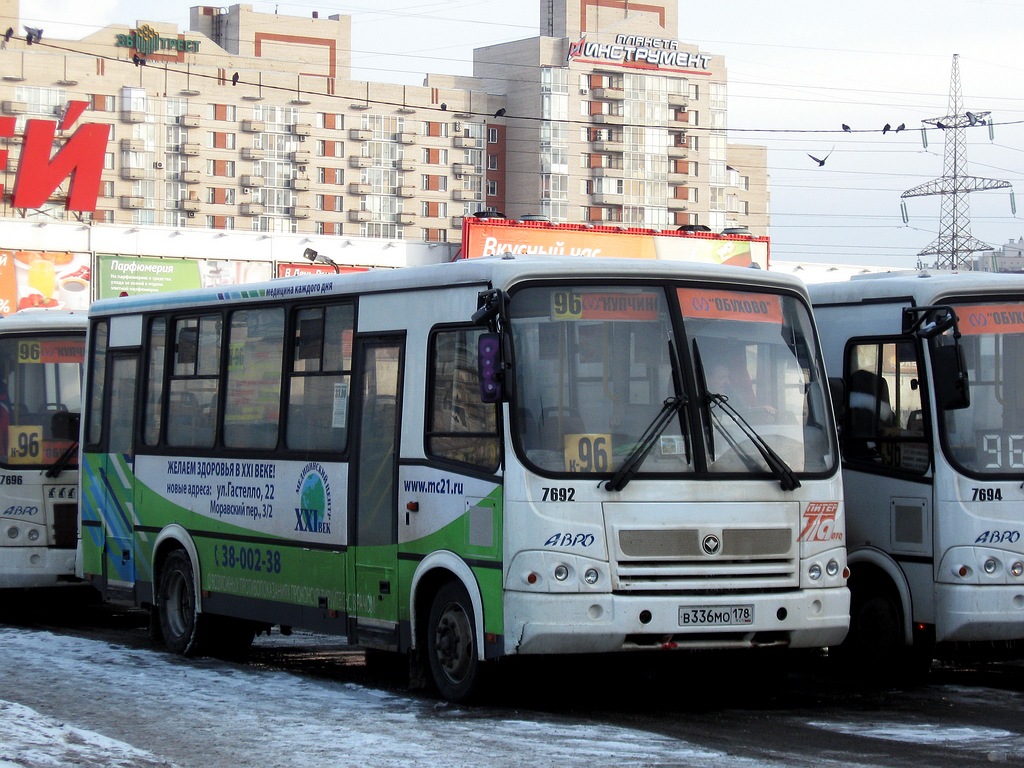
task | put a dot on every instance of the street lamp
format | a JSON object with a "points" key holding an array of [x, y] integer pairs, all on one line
{"points": [[319, 258]]}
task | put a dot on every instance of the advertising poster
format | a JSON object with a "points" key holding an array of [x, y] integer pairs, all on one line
{"points": [[50, 279], [294, 270], [135, 275]]}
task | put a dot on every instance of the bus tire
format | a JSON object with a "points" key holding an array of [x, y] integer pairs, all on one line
{"points": [[180, 620], [452, 644]]}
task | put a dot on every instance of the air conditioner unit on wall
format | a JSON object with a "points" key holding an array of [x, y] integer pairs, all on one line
{"points": [[245, 190], [584, 91], [158, 166]]}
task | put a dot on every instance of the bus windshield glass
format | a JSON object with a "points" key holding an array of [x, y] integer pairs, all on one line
{"points": [[598, 367], [987, 438], [42, 375]]}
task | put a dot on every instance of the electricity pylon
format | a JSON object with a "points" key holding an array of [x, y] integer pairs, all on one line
{"points": [[955, 244]]}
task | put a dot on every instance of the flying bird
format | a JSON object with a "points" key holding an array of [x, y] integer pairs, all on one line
{"points": [[820, 161], [234, 79], [500, 112], [886, 128], [847, 128]]}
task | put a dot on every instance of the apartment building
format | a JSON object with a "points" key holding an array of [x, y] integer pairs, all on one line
{"points": [[250, 121]]}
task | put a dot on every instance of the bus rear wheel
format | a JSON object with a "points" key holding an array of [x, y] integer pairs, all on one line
{"points": [[452, 644], [176, 605]]}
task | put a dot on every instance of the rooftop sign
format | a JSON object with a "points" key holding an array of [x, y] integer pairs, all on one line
{"points": [[657, 53], [147, 41]]}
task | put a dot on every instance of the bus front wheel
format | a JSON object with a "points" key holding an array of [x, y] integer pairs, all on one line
{"points": [[452, 645], [176, 605]]}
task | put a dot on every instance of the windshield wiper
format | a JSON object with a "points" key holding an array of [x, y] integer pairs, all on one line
{"points": [[787, 478], [671, 407], [62, 461], [631, 466], [705, 402]]}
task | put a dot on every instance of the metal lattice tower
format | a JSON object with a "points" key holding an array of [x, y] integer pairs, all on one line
{"points": [[955, 244]]}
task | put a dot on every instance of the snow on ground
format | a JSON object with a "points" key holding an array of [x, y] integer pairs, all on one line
{"points": [[154, 709]]}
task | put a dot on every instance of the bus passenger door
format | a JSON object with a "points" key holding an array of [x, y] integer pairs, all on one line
{"points": [[373, 596], [118, 468]]}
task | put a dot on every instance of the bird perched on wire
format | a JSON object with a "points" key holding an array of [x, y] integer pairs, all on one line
{"points": [[234, 79], [886, 128], [443, 106], [900, 127], [847, 128], [820, 160], [500, 112]]}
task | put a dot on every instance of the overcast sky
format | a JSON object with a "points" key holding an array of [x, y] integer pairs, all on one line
{"points": [[798, 70]]}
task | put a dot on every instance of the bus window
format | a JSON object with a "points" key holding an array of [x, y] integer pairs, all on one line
{"points": [[192, 394], [320, 379], [252, 406], [155, 381], [461, 427]]}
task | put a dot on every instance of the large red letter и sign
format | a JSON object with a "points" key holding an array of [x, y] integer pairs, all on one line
{"points": [[80, 159]]}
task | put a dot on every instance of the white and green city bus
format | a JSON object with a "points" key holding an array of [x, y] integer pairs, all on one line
{"points": [[470, 460], [41, 354], [933, 458]]}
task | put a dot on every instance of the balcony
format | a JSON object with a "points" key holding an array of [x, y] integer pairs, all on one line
{"points": [[133, 145], [252, 180], [15, 107], [300, 156], [189, 121], [615, 94], [189, 205], [132, 174], [301, 212], [131, 116], [132, 203], [608, 147], [407, 191], [359, 134], [680, 100], [607, 119], [355, 188], [190, 149], [466, 195], [191, 177], [465, 169], [252, 209], [678, 150], [606, 198], [253, 153], [675, 177], [405, 137], [677, 204], [302, 129], [465, 142], [254, 126], [358, 216], [357, 161], [407, 218], [606, 172]]}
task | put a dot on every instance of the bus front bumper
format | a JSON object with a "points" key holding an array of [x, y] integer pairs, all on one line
{"points": [[971, 612], [24, 567], [601, 623]]}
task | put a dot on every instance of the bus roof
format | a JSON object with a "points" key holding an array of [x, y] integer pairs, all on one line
{"points": [[489, 271], [43, 320], [924, 287]]}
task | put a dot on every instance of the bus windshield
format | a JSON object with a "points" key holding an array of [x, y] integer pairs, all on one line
{"points": [[987, 438], [42, 375], [603, 369]]}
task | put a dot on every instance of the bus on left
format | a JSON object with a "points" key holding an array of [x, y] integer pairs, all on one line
{"points": [[41, 353]]}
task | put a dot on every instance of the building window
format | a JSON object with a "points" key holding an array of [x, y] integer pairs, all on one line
{"points": [[492, 188], [492, 135]]}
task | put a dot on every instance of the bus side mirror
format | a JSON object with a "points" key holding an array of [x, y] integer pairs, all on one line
{"points": [[949, 370], [64, 425], [489, 367]]}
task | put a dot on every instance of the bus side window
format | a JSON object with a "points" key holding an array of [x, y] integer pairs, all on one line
{"points": [[319, 379], [460, 426]]}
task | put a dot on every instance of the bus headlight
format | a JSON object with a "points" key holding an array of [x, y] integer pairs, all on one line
{"points": [[991, 566], [33, 535], [12, 532], [561, 573], [814, 572], [1017, 568], [591, 576], [832, 568]]}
